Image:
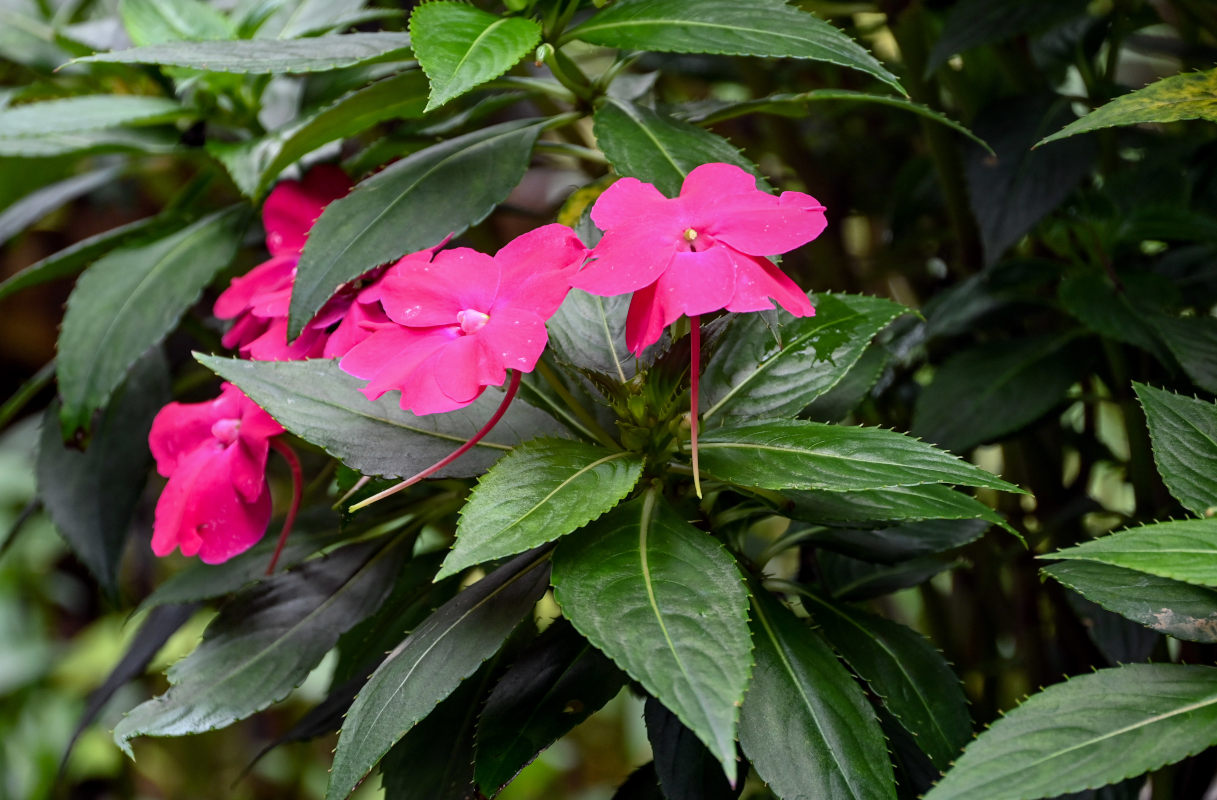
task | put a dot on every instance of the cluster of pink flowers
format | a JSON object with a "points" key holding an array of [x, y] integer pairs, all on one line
{"points": [[440, 327]]}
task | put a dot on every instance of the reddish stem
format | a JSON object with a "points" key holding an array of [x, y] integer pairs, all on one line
{"points": [[694, 378], [293, 463], [512, 388]]}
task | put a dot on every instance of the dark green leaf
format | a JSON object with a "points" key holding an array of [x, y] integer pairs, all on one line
{"points": [[805, 725], [553, 687], [434, 760], [1091, 730], [40, 202], [1193, 341], [795, 105], [853, 387], [254, 165], [73, 258], [994, 389], [198, 581], [1172, 607], [306, 17], [127, 302], [89, 112], [321, 404], [267, 56], [796, 454], [752, 376], [767, 28], [265, 642], [460, 46], [589, 332], [972, 23], [158, 626], [927, 501], [902, 542], [92, 495], [665, 601], [449, 646], [642, 784], [540, 491], [1122, 313], [1013, 190], [644, 144], [102, 140], [159, 21], [858, 579], [686, 769], [1179, 97], [1184, 435], [1184, 550], [905, 670], [411, 205]]}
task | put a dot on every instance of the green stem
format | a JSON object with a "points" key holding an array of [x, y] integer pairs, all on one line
{"points": [[569, 75], [27, 392], [578, 151]]}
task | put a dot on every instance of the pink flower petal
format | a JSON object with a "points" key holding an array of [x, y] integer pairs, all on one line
{"points": [[514, 338], [461, 370], [628, 259], [627, 202], [356, 325], [293, 206], [792, 221], [716, 182], [389, 357], [758, 280], [269, 276], [537, 266], [696, 283], [643, 321], [421, 294], [177, 431]]}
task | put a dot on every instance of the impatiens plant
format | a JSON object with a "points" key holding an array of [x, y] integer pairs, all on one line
{"points": [[587, 409]]}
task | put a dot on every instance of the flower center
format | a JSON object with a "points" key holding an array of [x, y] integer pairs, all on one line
{"points": [[690, 235], [471, 320], [226, 430]]}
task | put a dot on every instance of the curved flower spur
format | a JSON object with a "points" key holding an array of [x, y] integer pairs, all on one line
{"points": [[700, 252]]}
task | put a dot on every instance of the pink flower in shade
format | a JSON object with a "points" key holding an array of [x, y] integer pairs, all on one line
{"points": [[217, 502], [699, 252], [259, 300], [458, 320]]}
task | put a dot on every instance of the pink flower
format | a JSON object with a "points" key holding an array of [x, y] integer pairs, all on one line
{"points": [[217, 502], [699, 252], [259, 300], [458, 320]]}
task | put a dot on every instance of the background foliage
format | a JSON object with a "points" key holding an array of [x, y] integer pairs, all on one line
{"points": [[1060, 259]]}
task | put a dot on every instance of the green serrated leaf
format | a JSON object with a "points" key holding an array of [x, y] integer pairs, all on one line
{"points": [[460, 46], [644, 144], [1123, 313], [830, 743], [266, 56], [263, 644], [861, 579], [797, 454], [1091, 730], [1183, 431], [685, 768], [540, 491], [1183, 550], [1193, 341], [921, 502], [665, 601], [424, 669], [789, 104], [853, 387], [92, 495], [994, 389], [411, 205], [752, 376], [160, 21], [322, 404], [1172, 607], [588, 332], [255, 165], [767, 28], [127, 302], [553, 687], [102, 140], [42, 201], [905, 670], [1179, 97], [86, 113], [901, 542]]}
